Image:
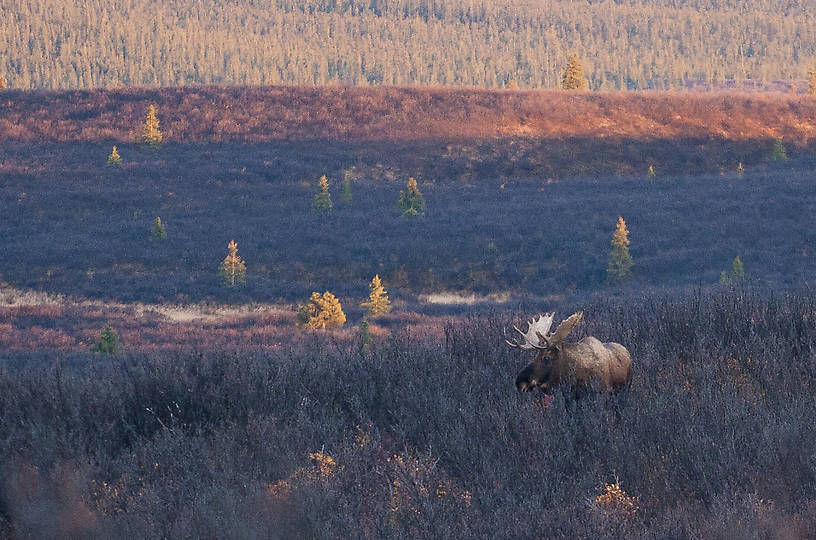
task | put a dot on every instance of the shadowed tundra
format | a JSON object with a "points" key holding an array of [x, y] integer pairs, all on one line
{"points": [[580, 365]]}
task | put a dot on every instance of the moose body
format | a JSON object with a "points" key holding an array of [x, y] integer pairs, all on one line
{"points": [[582, 366]]}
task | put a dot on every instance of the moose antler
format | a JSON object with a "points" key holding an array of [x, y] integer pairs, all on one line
{"points": [[564, 328], [535, 337], [538, 334]]}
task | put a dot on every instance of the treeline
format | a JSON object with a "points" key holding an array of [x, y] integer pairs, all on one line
{"points": [[626, 44]]}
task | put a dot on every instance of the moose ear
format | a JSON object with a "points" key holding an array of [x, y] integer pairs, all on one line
{"points": [[566, 327]]}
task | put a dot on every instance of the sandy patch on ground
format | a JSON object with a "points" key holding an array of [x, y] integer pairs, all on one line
{"points": [[12, 297], [464, 299]]}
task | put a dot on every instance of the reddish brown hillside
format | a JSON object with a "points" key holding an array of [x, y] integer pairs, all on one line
{"points": [[199, 114]]}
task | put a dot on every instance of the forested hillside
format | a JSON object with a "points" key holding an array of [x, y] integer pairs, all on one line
{"points": [[626, 44]]}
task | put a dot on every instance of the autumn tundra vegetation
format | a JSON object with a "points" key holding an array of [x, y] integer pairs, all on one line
{"points": [[153, 386], [423, 434]]}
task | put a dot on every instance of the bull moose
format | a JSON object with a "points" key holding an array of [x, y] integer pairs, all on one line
{"points": [[582, 365]]}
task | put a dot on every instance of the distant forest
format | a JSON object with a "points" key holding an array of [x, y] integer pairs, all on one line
{"points": [[623, 44]]}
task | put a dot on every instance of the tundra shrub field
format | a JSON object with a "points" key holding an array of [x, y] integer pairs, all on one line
{"points": [[425, 434], [71, 225], [522, 190]]}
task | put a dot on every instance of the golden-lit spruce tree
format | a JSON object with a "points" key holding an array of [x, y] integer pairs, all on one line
{"points": [[411, 202], [151, 135], [114, 159], [3, 84], [322, 201], [812, 82], [233, 268], [573, 78], [620, 261], [377, 303], [321, 311]]}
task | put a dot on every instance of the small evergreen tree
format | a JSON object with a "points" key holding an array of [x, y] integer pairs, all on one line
{"points": [[723, 278], [158, 231], [365, 337], [321, 311], [322, 201], [151, 135], [3, 84], [811, 82], [778, 153], [620, 261], [377, 303], [345, 194], [233, 268], [573, 78], [411, 201], [114, 159], [108, 342], [737, 270], [740, 169], [650, 174]]}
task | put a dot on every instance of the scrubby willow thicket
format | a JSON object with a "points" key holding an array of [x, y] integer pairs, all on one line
{"points": [[624, 44], [425, 435]]}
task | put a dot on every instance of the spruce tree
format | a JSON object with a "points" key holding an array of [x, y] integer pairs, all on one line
{"points": [[650, 173], [411, 201], [737, 270], [233, 268], [573, 78], [322, 201], [740, 169], [812, 82], [365, 337], [345, 194], [151, 135], [321, 311], [158, 232], [3, 84], [778, 153], [114, 159], [108, 342], [620, 261], [377, 303]]}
